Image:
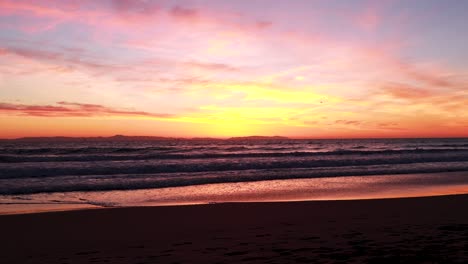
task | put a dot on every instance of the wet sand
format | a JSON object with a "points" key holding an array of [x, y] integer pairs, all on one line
{"points": [[405, 230]]}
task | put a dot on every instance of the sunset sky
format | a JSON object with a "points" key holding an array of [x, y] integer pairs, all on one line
{"points": [[307, 69]]}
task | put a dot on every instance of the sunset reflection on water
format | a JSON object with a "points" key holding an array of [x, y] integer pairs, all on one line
{"points": [[329, 188]]}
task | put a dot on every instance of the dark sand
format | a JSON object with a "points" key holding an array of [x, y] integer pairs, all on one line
{"points": [[413, 230]]}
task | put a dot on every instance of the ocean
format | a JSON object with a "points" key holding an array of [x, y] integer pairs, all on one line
{"points": [[57, 170]]}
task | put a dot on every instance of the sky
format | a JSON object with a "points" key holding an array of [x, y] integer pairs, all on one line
{"points": [[302, 69]]}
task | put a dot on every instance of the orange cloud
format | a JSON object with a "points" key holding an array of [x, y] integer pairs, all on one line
{"points": [[348, 122]]}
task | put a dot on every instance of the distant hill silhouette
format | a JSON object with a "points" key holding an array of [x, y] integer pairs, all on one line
{"points": [[258, 138], [133, 138]]}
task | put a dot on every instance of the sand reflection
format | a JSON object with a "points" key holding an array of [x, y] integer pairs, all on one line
{"points": [[330, 188]]}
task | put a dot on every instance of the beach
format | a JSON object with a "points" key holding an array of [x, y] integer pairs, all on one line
{"points": [[230, 201], [403, 230]]}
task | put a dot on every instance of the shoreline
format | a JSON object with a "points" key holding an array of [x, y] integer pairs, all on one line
{"points": [[311, 189], [408, 230], [63, 208]]}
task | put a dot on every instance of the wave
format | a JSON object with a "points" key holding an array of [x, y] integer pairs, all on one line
{"points": [[81, 150], [109, 156], [221, 163], [438, 145], [139, 181]]}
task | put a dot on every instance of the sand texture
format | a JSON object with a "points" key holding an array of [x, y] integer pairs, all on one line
{"points": [[412, 230]]}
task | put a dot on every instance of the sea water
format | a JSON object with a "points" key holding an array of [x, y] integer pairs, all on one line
{"points": [[121, 172]]}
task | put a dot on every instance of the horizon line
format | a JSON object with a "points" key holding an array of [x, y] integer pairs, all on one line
{"points": [[228, 138]]}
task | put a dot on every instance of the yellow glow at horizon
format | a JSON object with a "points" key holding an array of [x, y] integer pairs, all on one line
{"points": [[229, 128], [263, 92]]}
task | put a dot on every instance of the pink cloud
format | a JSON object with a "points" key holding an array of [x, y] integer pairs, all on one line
{"points": [[136, 6], [123, 15], [138, 73], [404, 91], [316, 48], [428, 77], [453, 103], [183, 13], [369, 19], [264, 24], [212, 66], [133, 11], [30, 7], [50, 14], [40, 16], [69, 109], [66, 59], [374, 14]]}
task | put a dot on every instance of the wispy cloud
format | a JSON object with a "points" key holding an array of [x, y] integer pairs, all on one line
{"points": [[189, 14], [348, 122], [70, 109], [212, 66], [430, 77], [368, 19], [404, 91]]}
